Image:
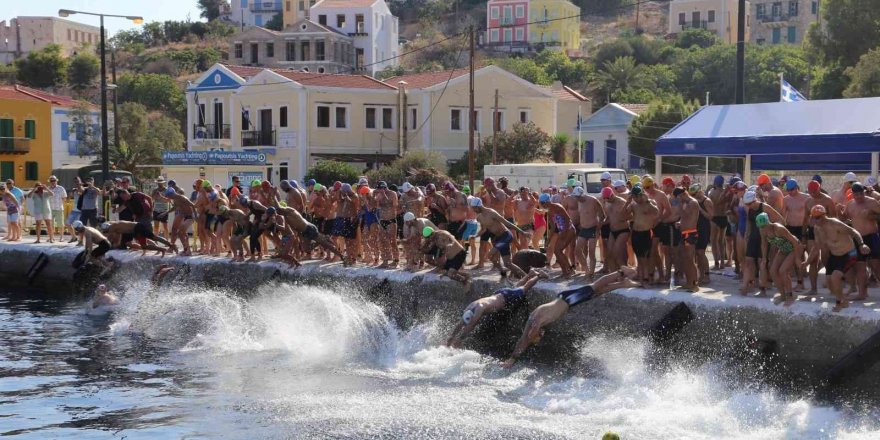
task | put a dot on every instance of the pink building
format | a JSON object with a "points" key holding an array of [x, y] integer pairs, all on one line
{"points": [[507, 22]]}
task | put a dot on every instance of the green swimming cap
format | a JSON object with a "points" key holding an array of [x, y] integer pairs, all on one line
{"points": [[318, 186], [466, 189], [695, 188], [256, 182], [610, 436], [427, 231], [206, 184], [571, 182], [762, 220]]}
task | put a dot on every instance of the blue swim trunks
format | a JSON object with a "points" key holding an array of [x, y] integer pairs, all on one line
{"points": [[512, 296], [576, 296], [502, 243]]}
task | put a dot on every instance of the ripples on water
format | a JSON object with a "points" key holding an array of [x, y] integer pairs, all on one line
{"points": [[306, 362]]}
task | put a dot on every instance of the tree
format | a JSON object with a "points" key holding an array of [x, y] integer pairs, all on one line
{"points": [[413, 163], [211, 8], [326, 172], [276, 23], [82, 70], [558, 150], [526, 69], [656, 121], [864, 76], [525, 143], [133, 122], [43, 68], [612, 50], [849, 29], [702, 38], [143, 139], [621, 74], [155, 91], [164, 134]]}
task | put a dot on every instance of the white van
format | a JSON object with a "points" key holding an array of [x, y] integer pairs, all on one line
{"points": [[542, 175], [591, 177]]}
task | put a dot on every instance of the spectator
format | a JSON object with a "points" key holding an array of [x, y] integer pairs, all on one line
{"points": [[89, 206], [59, 194]]}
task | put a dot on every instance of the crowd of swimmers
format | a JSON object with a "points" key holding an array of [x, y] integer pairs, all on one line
{"points": [[633, 233]]}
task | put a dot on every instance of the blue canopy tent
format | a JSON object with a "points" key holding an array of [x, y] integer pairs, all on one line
{"points": [[838, 134]]}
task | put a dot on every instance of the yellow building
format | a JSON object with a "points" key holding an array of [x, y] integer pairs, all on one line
{"points": [[31, 138], [556, 23]]}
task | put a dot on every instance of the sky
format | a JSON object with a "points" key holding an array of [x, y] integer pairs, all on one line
{"points": [[151, 10]]}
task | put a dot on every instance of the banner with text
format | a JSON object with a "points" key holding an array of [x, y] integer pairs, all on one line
{"points": [[213, 158]]}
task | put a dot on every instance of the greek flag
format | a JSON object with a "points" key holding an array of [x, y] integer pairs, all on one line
{"points": [[787, 93]]}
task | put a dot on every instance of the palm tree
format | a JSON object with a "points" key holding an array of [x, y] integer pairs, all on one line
{"points": [[557, 147], [620, 74], [128, 158]]}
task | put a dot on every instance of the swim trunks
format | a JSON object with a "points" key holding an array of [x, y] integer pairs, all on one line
{"points": [[617, 233], [690, 236], [641, 243], [345, 228], [470, 229], [606, 231], [502, 243], [576, 296], [384, 224], [842, 263], [797, 231], [142, 233], [456, 229], [873, 242], [101, 249], [455, 262], [311, 232], [587, 233], [720, 221], [512, 296]]}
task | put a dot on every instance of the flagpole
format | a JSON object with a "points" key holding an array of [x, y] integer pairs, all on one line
{"points": [[580, 147], [781, 85]]}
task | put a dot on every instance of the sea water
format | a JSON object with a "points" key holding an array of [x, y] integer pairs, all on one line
{"points": [[304, 362]]}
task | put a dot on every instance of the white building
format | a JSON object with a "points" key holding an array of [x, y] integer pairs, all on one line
{"points": [[370, 23], [606, 137]]}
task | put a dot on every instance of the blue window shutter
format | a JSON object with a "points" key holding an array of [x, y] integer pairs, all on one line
{"points": [[244, 4], [65, 131], [96, 131], [258, 20]]}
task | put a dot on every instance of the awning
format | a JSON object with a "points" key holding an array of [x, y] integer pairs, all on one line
{"points": [[836, 134]]}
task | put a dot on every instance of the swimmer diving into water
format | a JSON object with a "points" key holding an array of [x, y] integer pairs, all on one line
{"points": [[555, 310], [103, 297]]}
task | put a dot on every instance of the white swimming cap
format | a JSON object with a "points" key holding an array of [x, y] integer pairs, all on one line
{"points": [[749, 197], [78, 225], [406, 187], [475, 202], [408, 217], [870, 181], [618, 183], [577, 191], [467, 315], [605, 176], [850, 177], [105, 226]]}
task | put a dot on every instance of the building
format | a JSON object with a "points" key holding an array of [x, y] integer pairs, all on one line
{"points": [[719, 16], [778, 22], [523, 25], [275, 123], [39, 134], [606, 137], [305, 46], [370, 23], [254, 12], [296, 10], [23, 35]]}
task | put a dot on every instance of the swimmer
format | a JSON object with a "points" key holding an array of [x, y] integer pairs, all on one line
{"points": [[104, 298], [501, 299], [555, 310]]}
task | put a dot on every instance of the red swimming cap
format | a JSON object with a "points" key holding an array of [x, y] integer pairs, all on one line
{"points": [[686, 180], [337, 185], [266, 184], [668, 181], [762, 179], [813, 186], [608, 193]]}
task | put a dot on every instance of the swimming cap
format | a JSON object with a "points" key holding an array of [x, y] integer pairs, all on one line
{"points": [[636, 191], [753, 188], [719, 181], [206, 183], [311, 182], [817, 178], [382, 184], [677, 192], [695, 188], [475, 202], [427, 231], [544, 198], [488, 180], [571, 183], [686, 180], [750, 197], [265, 184], [783, 179], [763, 179], [605, 176], [105, 226], [212, 196], [607, 193], [345, 187], [169, 192], [408, 217], [449, 186], [850, 177], [774, 181], [740, 185], [668, 181], [814, 186], [318, 187], [337, 185], [242, 200], [735, 179], [364, 190], [818, 211], [466, 189], [285, 185], [870, 181], [647, 182], [618, 183], [197, 183], [858, 187], [762, 220], [270, 210], [578, 191], [172, 183], [791, 185], [406, 187], [363, 182], [78, 225], [255, 182], [633, 180], [467, 316], [431, 188]]}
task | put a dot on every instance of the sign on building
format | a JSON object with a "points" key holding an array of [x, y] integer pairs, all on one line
{"points": [[213, 158]]}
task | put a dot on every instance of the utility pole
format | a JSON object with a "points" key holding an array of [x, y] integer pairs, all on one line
{"points": [[115, 99], [495, 127], [638, 6], [740, 53], [471, 112]]}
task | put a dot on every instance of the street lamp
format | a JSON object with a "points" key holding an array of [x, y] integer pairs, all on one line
{"points": [[105, 150]]}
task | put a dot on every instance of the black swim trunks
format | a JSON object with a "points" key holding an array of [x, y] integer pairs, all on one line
{"points": [[797, 231], [690, 237], [512, 296], [606, 231], [311, 232], [842, 263], [455, 262], [384, 224], [101, 249], [486, 236], [587, 233], [576, 296], [668, 233], [456, 229], [142, 233], [811, 233], [641, 243], [345, 228], [720, 221], [873, 242], [617, 233]]}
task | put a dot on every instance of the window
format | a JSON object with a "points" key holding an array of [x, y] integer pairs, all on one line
{"points": [[302, 5], [520, 34], [30, 129], [341, 117], [322, 19], [777, 35], [792, 34], [371, 118], [238, 50], [270, 50], [323, 118], [498, 120], [493, 35], [455, 119], [815, 8], [287, 6], [245, 120], [524, 117], [7, 170], [520, 11], [31, 171], [508, 35], [495, 12], [291, 51], [255, 53], [793, 9], [682, 19], [413, 119], [319, 50], [776, 9], [340, 20], [760, 12], [387, 118], [282, 115], [695, 18], [710, 16], [7, 132]]}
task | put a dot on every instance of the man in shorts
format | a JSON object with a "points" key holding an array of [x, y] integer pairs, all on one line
{"points": [[453, 252]]}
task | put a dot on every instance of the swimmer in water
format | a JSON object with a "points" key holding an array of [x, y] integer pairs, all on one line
{"points": [[501, 299], [103, 297], [555, 310]]}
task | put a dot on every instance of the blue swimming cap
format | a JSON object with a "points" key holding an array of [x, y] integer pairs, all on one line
{"points": [[544, 198], [169, 192], [791, 185], [242, 199], [172, 183], [817, 178], [270, 210], [311, 182], [294, 184], [719, 181], [285, 185], [733, 180], [212, 195]]}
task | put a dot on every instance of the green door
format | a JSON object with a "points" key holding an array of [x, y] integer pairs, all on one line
{"points": [[7, 170], [6, 134]]}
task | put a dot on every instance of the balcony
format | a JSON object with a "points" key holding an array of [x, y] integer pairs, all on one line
{"points": [[702, 24], [265, 7], [776, 19], [211, 131], [13, 145], [506, 21], [258, 138], [360, 30]]}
